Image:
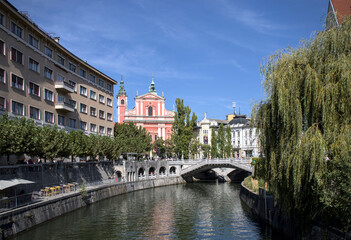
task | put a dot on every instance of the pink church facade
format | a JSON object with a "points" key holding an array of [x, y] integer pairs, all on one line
{"points": [[149, 112]]}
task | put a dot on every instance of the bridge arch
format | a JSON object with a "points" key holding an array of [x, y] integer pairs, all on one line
{"points": [[141, 172], [243, 165], [151, 171], [162, 170]]}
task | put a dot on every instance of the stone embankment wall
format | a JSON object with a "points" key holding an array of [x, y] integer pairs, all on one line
{"points": [[262, 205], [23, 218], [50, 174]]}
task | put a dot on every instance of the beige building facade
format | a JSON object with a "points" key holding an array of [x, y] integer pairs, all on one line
{"points": [[41, 80]]}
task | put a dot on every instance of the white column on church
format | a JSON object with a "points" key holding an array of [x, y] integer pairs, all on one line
{"points": [[158, 109], [141, 108], [137, 108], [163, 108], [159, 132], [163, 133]]}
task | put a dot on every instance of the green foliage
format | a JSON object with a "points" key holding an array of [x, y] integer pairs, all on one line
{"points": [[169, 144], [194, 147], [183, 128], [305, 119], [206, 150], [22, 136], [214, 148], [228, 149], [131, 138], [221, 141], [159, 148]]}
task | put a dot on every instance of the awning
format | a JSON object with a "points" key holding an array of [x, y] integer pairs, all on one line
{"points": [[13, 182]]}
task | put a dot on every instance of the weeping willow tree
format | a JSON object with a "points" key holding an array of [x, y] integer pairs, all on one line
{"points": [[305, 127]]}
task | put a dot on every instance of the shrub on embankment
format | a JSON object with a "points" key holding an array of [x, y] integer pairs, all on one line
{"points": [[304, 127]]}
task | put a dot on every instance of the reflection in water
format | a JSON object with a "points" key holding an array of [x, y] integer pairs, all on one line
{"points": [[188, 211]]}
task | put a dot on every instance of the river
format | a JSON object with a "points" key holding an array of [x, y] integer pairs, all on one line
{"points": [[185, 211]]}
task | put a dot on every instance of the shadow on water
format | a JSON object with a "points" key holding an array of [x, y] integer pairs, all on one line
{"points": [[186, 211]]}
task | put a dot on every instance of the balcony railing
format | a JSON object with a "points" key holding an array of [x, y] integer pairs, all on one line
{"points": [[64, 106], [64, 86]]}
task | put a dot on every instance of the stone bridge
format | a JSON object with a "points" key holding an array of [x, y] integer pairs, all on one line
{"points": [[133, 170], [241, 166]]}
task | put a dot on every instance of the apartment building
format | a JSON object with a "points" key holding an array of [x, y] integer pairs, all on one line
{"points": [[41, 80]]}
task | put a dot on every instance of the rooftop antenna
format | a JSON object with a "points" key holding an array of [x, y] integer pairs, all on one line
{"points": [[234, 105]]}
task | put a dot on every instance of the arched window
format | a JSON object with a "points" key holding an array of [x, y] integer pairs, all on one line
{"points": [[150, 111], [122, 101]]}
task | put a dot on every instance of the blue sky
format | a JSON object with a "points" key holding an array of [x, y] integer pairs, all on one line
{"points": [[207, 52]]}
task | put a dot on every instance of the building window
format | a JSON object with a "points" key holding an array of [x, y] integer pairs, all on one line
{"points": [[33, 41], [109, 102], [60, 99], [73, 84], [155, 137], [72, 67], [83, 73], [49, 95], [83, 125], [101, 129], [60, 78], [2, 104], [122, 101], [92, 127], [1, 19], [73, 103], [92, 94], [108, 86], [49, 117], [34, 65], [92, 78], [48, 51], [109, 131], [150, 111], [48, 73], [101, 114], [17, 108], [2, 75], [61, 120], [93, 111], [83, 108], [34, 113], [72, 123], [109, 116], [83, 91], [17, 82], [16, 30], [34, 89], [2, 47], [61, 60], [101, 83], [101, 99], [16, 56]]}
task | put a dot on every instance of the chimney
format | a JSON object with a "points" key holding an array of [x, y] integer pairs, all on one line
{"points": [[57, 39]]}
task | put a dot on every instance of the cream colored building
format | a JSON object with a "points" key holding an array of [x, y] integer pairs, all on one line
{"points": [[41, 80]]}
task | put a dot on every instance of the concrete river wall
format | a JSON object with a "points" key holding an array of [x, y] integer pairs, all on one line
{"points": [[262, 205], [25, 217]]}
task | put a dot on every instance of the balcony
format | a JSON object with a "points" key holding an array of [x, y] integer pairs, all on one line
{"points": [[63, 106], [64, 86]]}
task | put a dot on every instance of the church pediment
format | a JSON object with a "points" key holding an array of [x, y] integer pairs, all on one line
{"points": [[149, 96]]}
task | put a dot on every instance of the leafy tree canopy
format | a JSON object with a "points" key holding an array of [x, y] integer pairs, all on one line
{"points": [[305, 126]]}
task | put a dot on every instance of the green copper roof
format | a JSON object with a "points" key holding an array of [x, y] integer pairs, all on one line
{"points": [[152, 87], [121, 88]]}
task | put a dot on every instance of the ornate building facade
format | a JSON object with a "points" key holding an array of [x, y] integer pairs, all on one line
{"points": [[149, 112]]}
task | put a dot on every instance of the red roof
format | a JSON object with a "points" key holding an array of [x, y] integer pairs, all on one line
{"points": [[341, 8]]}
